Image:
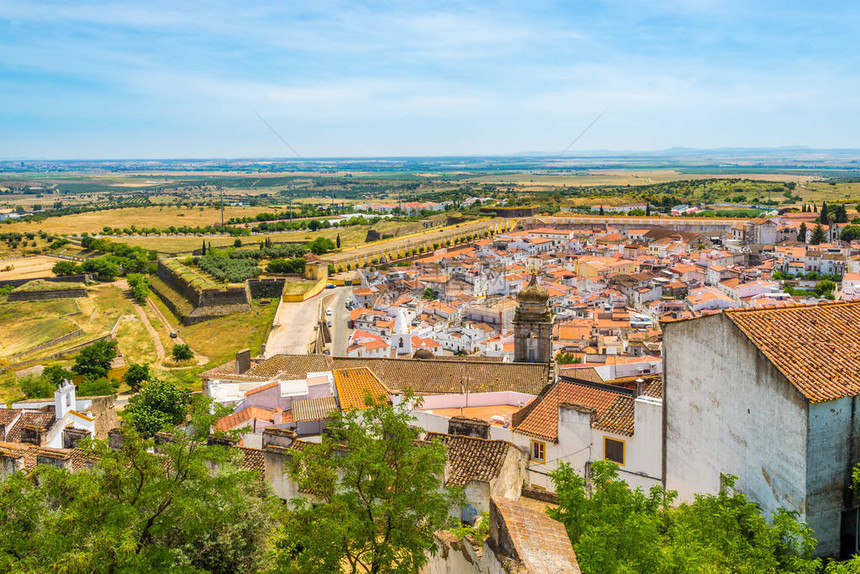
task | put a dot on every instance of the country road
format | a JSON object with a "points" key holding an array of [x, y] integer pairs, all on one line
{"points": [[295, 322]]}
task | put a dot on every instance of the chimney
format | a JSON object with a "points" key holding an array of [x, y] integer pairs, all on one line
{"points": [[116, 438], [10, 461], [72, 436], [469, 427], [278, 416], [329, 361], [640, 384], [243, 361], [54, 458], [274, 436], [34, 435]]}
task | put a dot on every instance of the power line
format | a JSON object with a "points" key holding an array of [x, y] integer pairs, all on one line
{"points": [[274, 131], [582, 133]]}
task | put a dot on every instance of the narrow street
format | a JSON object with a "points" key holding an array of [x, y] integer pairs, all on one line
{"points": [[295, 322]]}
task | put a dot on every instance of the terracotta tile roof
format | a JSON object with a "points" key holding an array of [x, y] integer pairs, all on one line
{"points": [[355, 386], [79, 458], [313, 409], [618, 418], [540, 543], [816, 347], [8, 415], [252, 459], [542, 418], [236, 419], [471, 458], [261, 388], [432, 376], [35, 418]]}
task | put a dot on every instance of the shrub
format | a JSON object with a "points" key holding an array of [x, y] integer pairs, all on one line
{"points": [[287, 266], [182, 353]]}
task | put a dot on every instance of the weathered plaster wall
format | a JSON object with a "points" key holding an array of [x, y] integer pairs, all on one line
{"points": [[728, 410], [833, 443]]}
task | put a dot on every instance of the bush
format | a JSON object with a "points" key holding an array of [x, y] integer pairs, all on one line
{"points": [[136, 375], [97, 387], [320, 245], [36, 387], [65, 268], [286, 266], [182, 353]]}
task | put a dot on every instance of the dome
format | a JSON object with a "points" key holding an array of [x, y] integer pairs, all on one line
{"points": [[534, 292]]}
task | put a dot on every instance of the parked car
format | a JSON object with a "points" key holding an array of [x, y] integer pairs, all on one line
{"points": [[328, 312], [328, 323], [330, 286], [173, 335]]}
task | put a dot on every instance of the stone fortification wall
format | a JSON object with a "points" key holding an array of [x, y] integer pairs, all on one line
{"points": [[44, 295], [267, 287]]}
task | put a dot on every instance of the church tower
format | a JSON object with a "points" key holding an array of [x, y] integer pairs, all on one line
{"points": [[533, 325]]}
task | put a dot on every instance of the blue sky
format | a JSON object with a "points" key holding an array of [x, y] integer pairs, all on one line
{"points": [[183, 79]]}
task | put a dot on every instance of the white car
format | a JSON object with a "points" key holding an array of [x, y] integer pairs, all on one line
{"points": [[328, 312]]}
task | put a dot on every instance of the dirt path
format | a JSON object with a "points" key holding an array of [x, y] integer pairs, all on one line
{"points": [[201, 358], [156, 340]]}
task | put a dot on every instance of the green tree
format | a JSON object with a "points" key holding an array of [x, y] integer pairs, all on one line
{"points": [[615, 529], [801, 235], [379, 496], [181, 506], [36, 387], [57, 375], [818, 236], [136, 375], [139, 284], [159, 405], [840, 215], [824, 288], [105, 268], [337, 241], [567, 359], [850, 233], [65, 268], [237, 243], [428, 294], [94, 361], [320, 245], [372, 235], [182, 352], [824, 216]]}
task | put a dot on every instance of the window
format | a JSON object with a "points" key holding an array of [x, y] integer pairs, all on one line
{"points": [[538, 451], [613, 450]]}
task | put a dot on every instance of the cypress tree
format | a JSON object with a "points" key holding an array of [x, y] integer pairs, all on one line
{"points": [[824, 217], [204, 247]]}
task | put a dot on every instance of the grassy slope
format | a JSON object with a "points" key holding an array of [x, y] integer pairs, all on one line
{"points": [[26, 324]]}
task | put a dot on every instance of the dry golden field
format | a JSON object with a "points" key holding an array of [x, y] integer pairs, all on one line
{"points": [[150, 216], [28, 267]]}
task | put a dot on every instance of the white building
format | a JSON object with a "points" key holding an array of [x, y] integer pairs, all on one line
{"points": [[770, 396]]}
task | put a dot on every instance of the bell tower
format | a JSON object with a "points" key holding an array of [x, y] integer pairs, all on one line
{"points": [[533, 325]]}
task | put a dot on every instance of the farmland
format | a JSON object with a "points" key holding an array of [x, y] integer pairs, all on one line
{"points": [[150, 216], [28, 268]]}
